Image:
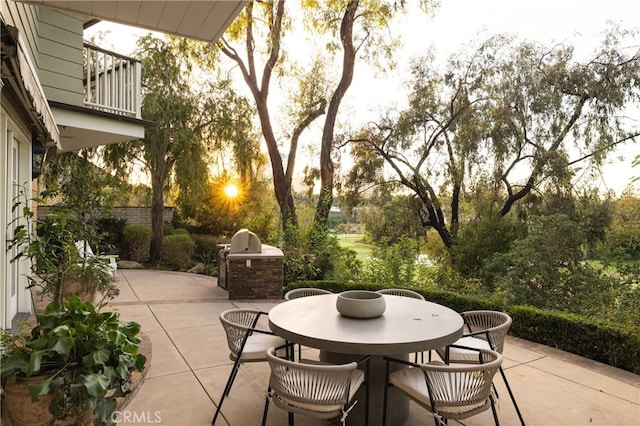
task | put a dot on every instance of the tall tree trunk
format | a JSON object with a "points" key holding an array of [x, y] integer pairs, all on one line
{"points": [[157, 213], [326, 163], [260, 92]]}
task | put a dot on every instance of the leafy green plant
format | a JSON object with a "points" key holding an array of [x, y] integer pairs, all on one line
{"points": [[206, 250], [177, 250], [138, 239], [55, 258], [90, 357]]}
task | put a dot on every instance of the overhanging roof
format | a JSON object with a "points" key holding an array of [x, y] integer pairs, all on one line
{"points": [[201, 20], [20, 75]]}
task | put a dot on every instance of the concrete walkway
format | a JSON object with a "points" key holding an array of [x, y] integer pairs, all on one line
{"points": [[190, 365]]}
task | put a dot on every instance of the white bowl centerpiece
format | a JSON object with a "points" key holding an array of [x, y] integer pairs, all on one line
{"points": [[360, 304]]}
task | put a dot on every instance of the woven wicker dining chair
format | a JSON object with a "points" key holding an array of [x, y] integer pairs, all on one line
{"points": [[314, 389], [304, 292], [483, 330], [447, 391], [246, 342], [404, 292]]}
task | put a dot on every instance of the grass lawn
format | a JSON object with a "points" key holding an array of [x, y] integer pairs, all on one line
{"points": [[354, 242]]}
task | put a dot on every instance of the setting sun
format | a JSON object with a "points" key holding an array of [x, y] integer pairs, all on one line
{"points": [[231, 191]]}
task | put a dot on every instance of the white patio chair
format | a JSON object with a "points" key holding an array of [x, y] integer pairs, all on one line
{"points": [[304, 292], [404, 292], [483, 330], [246, 343], [111, 261], [317, 390], [447, 391]]}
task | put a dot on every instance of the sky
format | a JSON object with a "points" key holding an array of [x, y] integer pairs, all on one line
{"points": [[452, 27]]}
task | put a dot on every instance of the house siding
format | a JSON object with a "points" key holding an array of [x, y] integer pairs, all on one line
{"points": [[60, 59], [25, 18], [15, 163]]}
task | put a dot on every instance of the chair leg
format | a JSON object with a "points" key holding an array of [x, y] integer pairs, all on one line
{"points": [[290, 419], [215, 416], [266, 408], [232, 376], [227, 388], [504, 377], [386, 395], [366, 395], [493, 410]]}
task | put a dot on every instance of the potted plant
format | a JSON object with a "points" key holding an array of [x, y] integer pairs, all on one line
{"points": [[77, 357], [58, 267]]}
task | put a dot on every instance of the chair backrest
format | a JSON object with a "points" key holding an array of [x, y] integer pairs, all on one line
{"points": [[453, 386], [84, 248], [404, 292], [494, 322], [304, 292], [311, 387], [235, 323]]}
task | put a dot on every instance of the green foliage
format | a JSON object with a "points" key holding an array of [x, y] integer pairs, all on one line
{"points": [[394, 218], [298, 267], [480, 239], [623, 237], [393, 264], [138, 239], [178, 250], [111, 233], [319, 257], [74, 181], [206, 251], [167, 228], [447, 278], [546, 270], [55, 258], [609, 343], [89, 355]]}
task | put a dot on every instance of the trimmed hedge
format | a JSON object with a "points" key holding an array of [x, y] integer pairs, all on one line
{"points": [[600, 341]]}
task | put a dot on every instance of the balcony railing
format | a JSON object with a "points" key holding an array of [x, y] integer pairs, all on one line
{"points": [[112, 82]]}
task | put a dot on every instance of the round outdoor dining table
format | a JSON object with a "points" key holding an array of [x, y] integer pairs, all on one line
{"points": [[408, 325]]}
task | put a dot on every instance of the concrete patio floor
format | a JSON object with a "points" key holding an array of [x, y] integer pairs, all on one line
{"points": [[190, 365]]}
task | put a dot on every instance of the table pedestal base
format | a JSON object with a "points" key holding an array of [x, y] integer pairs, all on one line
{"points": [[398, 404]]}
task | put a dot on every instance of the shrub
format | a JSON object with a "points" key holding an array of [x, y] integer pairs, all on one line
{"points": [[111, 235], [298, 266], [392, 264], [206, 249], [167, 228], [612, 344], [177, 251], [180, 231], [138, 239]]}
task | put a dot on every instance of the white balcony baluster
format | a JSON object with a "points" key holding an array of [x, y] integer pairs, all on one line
{"points": [[112, 82]]}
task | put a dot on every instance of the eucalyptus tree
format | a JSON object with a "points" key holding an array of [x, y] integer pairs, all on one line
{"points": [[509, 115], [188, 121], [258, 39]]}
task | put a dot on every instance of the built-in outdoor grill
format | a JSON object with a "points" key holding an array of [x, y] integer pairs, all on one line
{"points": [[245, 241], [249, 269]]}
